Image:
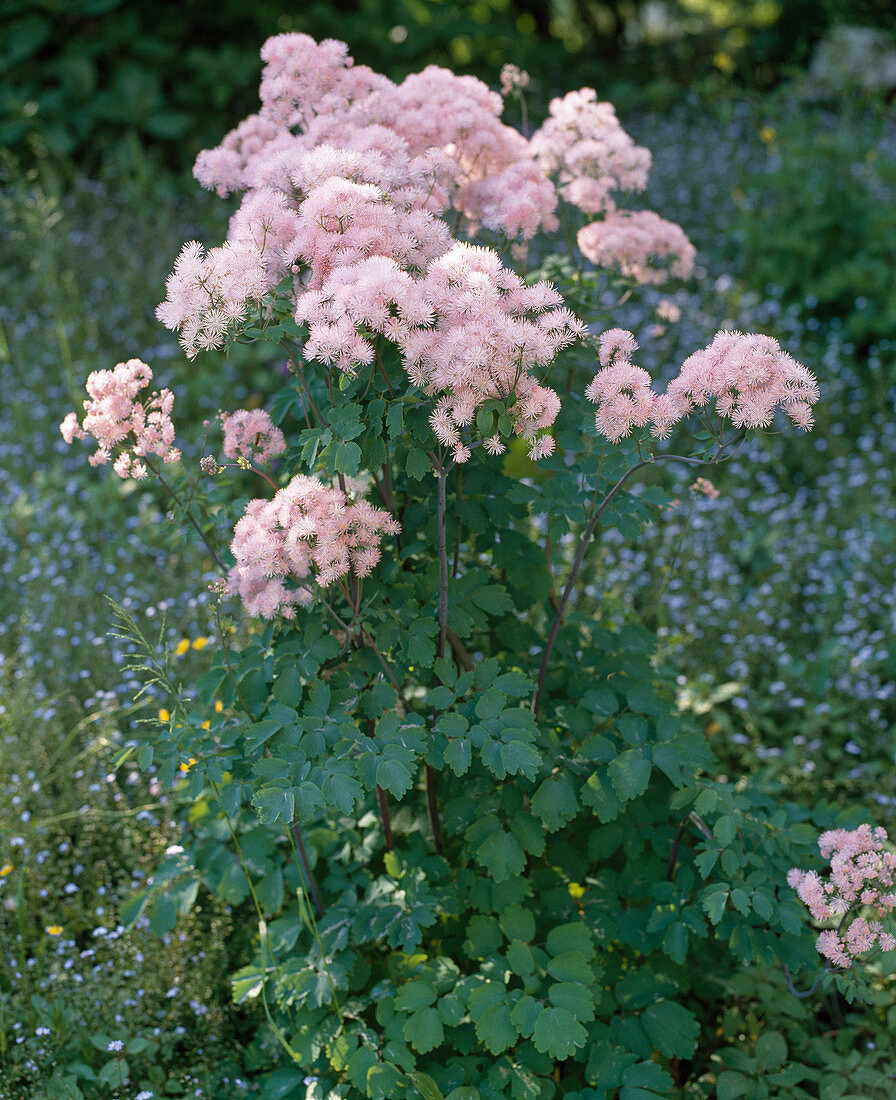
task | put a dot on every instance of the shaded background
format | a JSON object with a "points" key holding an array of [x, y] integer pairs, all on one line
{"points": [[82, 77]]}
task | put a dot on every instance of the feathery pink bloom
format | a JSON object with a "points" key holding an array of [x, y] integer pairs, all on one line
{"points": [[208, 293], [644, 246], [584, 146], [250, 434], [308, 534], [748, 376], [862, 876], [116, 418]]}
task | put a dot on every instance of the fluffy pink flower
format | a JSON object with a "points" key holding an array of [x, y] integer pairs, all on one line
{"points": [[115, 417], [750, 377], [490, 332], [209, 293], [308, 534], [584, 146], [641, 244], [862, 876], [250, 434]]}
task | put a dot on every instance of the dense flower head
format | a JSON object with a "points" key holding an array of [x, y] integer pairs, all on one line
{"points": [[250, 434], [209, 293], [303, 78], [356, 302], [862, 875], [116, 418], [641, 244], [513, 79], [585, 147], [490, 332], [749, 376], [308, 534]]}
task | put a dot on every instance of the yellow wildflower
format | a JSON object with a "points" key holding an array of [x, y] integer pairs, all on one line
{"points": [[54, 929], [206, 725], [5, 870], [186, 767], [182, 646], [164, 716], [200, 643], [219, 706], [576, 890]]}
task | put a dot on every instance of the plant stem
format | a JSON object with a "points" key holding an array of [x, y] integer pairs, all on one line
{"points": [[580, 557], [383, 805], [306, 867], [443, 559], [187, 512], [432, 804]]}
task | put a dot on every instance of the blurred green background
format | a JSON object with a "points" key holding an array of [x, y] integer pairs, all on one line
{"points": [[81, 77]]}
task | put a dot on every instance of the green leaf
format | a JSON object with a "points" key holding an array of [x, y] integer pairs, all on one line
{"points": [[671, 1028], [383, 1081], [630, 773], [524, 1014], [495, 1030], [571, 966], [281, 1084], [771, 1050], [276, 802], [517, 923], [418, 465], [502, 855], [730, 1085], [458, 755], [440, 697], [424, 1030], [394, 777], [557, 1033], [555, 802], [574, 936], [163, 915], [414, 995], [259, 732], [574, 997], [647, 1075], [427, 1088], [490, 704], [520, 958], [714, 902], [342, 791]]}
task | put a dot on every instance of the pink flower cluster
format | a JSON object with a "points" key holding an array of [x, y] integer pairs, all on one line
{"points": [[862, 875], [115, 417], [748, 376], [346, 178], [308, 533], [313, 94], [210, 293], [250, 434], [641, 244], [584, 146]]}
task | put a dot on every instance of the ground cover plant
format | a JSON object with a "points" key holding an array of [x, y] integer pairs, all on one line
{"points": [[751, 1004]]}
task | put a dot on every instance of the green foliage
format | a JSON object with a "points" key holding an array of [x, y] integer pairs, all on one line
{"points": [[814, 223]]}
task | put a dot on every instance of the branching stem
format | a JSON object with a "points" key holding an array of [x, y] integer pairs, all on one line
{"points": [[580, 558]]}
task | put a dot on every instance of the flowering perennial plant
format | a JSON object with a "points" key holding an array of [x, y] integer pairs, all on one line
{"points": [[249, 434], [308, 533], [749, 377], [116, 419], [445, 765], [863, 877]]}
